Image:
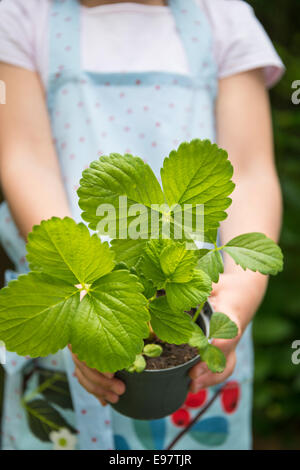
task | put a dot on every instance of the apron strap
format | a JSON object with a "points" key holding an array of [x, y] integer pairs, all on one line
{"points": [[64, 38], [196, 35]]}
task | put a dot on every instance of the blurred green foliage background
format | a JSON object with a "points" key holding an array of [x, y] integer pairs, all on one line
{"points": [[277, 324], [276, 415]]}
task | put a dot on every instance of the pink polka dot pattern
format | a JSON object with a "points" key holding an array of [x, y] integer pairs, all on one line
{"points": [[143, 114]]}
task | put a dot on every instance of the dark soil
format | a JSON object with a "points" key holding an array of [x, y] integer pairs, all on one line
{"points": [[173, 355]]}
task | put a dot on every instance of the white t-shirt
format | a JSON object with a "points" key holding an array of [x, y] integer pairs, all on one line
{"points": [[131, 37]]}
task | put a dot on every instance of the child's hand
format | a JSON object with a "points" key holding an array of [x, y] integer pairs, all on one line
{"points": [[238, 296], [104, 386]]}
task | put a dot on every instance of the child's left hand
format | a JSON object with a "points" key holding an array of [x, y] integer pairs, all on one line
{"points": [[238, 295]]}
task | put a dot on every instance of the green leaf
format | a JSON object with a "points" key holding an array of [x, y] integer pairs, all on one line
{"points": [[149, 264], [111, 323], [139, 364], [212, 264], [40, 314], [184, 296], [167, 261], [36, 314], [211, 236], [214, 358], [171, 326], [178, 263], [198, 338], [257, 252], [66, 250], [121, 266], [199, 173], [111, 177], [152, 350], [128, 251], [149, 289], [43, 419], [222, 327], [55, 388]]}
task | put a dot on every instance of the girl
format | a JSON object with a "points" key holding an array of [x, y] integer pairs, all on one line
{"points": [[90, 77]]}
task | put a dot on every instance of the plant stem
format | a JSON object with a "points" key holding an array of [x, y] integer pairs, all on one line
{"points": [[195, 317], [152, 335]]}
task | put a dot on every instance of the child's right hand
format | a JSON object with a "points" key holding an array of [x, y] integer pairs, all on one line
{"points": [[103, 385]]}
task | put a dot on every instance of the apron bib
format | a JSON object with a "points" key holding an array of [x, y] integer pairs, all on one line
{"points": [[146, 114]]}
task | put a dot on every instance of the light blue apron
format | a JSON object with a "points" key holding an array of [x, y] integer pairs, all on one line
{"points": [[146, 114]]}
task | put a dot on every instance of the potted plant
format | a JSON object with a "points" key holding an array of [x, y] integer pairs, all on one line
{"points": [[138, 307]]}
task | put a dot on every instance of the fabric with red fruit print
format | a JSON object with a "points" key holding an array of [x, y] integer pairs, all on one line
{"points": [[220, 427], [147, 114]]}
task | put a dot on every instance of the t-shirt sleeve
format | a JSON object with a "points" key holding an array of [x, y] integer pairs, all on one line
{"points": [[16, 34], [240, 41]]}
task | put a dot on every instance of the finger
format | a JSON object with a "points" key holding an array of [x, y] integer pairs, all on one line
{"points": [[111, 384], [94, 389], [210, 378], [227, 346], [198, 370], [82, 363]]}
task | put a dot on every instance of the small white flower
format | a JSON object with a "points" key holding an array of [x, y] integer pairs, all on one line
{"points": [[63, 439]]}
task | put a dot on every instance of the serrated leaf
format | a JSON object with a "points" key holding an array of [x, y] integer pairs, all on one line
{"points": [[66, 250], [184, 296], [114, 319], [167, 261], [178, 263], [214, 358], [40, 314], [113, 176], [212, 264], [211, 236], [149, 288], [198, 338], [171, 326], [128, 251], [199, 173], [257, 252], [149, 265], [121, 266], [36, 314], [222, 327], [43, 419]]}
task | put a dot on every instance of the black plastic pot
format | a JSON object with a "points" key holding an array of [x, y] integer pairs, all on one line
{"points": [[154, 394]]}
